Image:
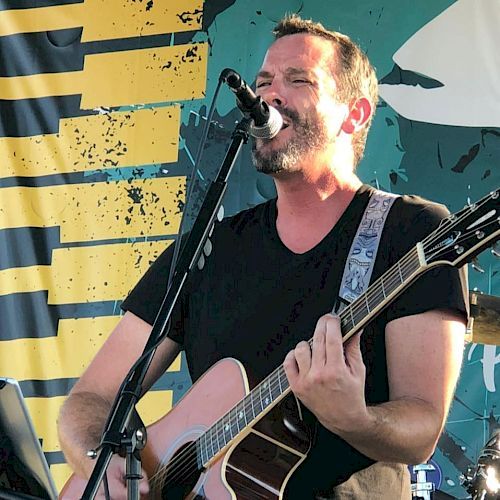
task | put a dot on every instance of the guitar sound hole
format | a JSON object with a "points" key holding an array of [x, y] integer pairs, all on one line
{"points": [[181, 475]]}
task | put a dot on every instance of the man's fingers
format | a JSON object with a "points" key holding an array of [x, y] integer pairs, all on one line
{"points": [[319, 344], [333, 342], [303, 356]]}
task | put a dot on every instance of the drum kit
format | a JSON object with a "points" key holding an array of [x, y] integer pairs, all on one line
{"points": [[482, 482]]}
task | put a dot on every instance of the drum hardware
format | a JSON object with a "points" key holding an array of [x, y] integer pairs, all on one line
{"points": [[476, 266], [496, 249], [484, 321], [422, 488], [483, 482]]}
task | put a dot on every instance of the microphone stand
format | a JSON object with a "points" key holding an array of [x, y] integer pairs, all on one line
{"points": [[116, 437]]}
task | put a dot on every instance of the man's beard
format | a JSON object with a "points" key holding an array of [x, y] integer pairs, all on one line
{"points": [[309, 135]]}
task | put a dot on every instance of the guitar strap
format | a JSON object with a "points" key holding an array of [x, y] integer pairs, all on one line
{"points": [[361, 259]]}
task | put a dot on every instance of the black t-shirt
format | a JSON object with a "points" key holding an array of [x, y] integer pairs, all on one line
{"points": [[255, 300]]}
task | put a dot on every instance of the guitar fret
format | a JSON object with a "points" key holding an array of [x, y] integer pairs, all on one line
{"points": [[227, 428], [212, 441], [285, 381], [235, 425], [222, 435], [207, 455], [279, 381], [251, 405], [239, 415], [217, 438], [382, 287], [352, 317], [245, 413], [204, 437], [266, 400], [199, 451], [274, 388], [400, 273]]}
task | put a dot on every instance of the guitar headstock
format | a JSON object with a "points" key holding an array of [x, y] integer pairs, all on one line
{"points": [[463, 235]]}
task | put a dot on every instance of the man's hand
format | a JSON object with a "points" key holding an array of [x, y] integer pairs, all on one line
{"points": [[329, 378], [116, 483]]}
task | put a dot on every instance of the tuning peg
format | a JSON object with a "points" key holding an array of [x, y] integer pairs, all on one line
{"points": [[475, 265], [201, 262], [496, 249], [207, 249], [220, 213]]}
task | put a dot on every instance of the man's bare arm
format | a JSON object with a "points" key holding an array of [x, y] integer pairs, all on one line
{"points": [[424, 356], [84, 413]]}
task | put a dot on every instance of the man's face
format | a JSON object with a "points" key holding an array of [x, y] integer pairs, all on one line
{"points": [[296, 78]]}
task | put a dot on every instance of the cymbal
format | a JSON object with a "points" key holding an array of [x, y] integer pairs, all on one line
{"points": [[484, 322]]}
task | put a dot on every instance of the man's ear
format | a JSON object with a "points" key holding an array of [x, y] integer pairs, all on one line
{"points": [[359, 114]]}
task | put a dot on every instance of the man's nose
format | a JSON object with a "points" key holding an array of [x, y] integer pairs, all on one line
{"points": [[273, 95]]}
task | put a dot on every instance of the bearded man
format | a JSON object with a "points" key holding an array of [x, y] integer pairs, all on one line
{"points": [[273, 279]]}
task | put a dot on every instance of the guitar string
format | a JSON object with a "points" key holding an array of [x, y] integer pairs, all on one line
{"points": [[191, 450], [213, 430], [236, 482]]}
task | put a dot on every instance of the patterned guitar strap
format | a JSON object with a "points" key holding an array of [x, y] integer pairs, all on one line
{"points": [[361, 259]]}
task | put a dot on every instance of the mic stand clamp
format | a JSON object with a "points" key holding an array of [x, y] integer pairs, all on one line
{"points": [[133, 443]]}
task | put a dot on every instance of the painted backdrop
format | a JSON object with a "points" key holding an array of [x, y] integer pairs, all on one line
{"points": [[102, 103]]}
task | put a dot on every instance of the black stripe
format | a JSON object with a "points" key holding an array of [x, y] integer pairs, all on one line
{"points": [[30, 4], [61, 51], [54, 457], [177, 382]]}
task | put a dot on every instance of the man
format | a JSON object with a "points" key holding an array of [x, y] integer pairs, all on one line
{"points": [[275, 274]]}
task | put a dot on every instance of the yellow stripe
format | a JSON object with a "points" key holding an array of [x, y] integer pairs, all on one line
{"points": [[47, 84], [89, 212], [86, 274], [64, 356], [98, 273], [25, 279], [145, 76], [119, 139], [122, 78], [154, 405], [60, 474], [40, 19], [106, 19], [44, 413]]}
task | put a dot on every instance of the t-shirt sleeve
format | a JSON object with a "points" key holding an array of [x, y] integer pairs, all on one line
{"points": [[146, 297], [442, 287]]}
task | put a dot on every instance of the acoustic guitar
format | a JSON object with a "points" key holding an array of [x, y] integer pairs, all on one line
{"points": [[224, 440]]}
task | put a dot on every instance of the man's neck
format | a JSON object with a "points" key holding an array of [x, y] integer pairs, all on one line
{"points": [[308, 208]]}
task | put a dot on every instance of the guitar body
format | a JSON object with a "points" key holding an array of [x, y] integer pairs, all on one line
{"points": [[257, 465]]}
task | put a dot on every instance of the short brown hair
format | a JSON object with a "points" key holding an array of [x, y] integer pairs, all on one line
{"points": [[355, 75]]}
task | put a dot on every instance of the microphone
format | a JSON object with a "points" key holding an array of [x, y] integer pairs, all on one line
{"points": [[267, 121]]}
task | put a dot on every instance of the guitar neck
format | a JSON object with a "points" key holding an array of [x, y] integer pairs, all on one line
{"points": [[275, 387]]}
